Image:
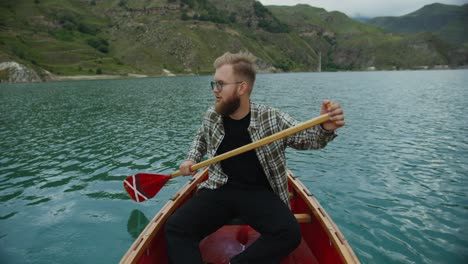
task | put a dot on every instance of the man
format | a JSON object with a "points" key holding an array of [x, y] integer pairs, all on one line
{"points": [[251, 186]]}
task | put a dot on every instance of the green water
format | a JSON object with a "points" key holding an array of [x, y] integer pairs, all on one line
{"points": [[394, 181]]}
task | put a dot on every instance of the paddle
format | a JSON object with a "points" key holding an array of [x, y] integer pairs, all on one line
{"points": [[143, 186]]}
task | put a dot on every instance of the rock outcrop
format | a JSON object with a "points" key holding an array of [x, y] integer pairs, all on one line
{"points": [[13, 72]]}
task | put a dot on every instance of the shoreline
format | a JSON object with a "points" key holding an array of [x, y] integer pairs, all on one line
{"points": [[130, 75], [84, 77], [50, 77]]}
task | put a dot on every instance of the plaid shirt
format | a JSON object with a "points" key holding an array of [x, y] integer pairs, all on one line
{"points": [[264, 122]]}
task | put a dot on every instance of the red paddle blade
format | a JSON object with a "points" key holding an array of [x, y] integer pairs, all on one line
{"points": [[143, 186]]}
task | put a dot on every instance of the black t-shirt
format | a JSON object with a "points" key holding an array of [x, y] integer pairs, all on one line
{"points": [[243, 170]]}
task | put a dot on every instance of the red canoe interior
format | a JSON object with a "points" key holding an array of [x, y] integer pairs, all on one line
{"points": [[219, 247], [229, 241]]}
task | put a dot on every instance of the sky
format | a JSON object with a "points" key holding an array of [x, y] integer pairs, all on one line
{"points": [[367, 8]]}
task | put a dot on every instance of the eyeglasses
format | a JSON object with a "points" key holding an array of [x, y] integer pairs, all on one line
{"points": [[220, 85]]}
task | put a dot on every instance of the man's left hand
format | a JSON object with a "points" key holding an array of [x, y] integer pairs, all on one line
{"points": [[335, 113]]}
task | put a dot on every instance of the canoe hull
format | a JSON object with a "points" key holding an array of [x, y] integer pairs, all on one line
{"points": [[322, 242]]}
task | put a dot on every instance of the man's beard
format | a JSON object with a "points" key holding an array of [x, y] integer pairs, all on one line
{"points": [[229, 106]]}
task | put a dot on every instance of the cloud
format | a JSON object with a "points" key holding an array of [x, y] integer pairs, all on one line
{"points": [[367, 8]]}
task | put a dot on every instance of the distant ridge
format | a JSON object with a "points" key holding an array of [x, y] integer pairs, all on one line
{"points": [[449, 22]]}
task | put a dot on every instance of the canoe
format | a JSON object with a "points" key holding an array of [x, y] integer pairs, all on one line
{"points": [[322, 241]]}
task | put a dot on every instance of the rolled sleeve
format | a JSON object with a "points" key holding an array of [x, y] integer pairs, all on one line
{"points": [[197, 148]]}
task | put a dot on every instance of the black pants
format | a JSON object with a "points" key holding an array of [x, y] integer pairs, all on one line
{"points": [[209, 210]]}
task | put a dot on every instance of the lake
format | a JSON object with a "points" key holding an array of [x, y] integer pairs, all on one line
{"points": [[395, 180]]}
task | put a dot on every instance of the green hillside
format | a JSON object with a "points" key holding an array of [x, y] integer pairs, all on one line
{"points": [[130, 36], [448, 22], [348, 44], [120, 37]]}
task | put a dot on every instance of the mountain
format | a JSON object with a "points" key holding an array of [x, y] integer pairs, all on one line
{"points": [[77, 37], [155, 37], [448, 22], [362, 18], [347, 44]]}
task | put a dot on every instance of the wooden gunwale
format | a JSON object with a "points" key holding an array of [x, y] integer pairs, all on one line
{"points": [[337, 238]]}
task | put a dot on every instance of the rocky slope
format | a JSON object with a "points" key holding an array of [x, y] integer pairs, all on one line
{"points": [[13, 72], [153, 37]]}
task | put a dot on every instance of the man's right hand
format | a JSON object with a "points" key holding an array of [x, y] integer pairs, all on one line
{"points": [[184, 168]]}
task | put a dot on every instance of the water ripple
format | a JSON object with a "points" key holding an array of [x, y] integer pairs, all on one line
{"points": [[394, 180]]}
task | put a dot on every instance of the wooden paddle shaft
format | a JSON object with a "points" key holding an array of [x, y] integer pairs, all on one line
{"points": [[282, 134]]}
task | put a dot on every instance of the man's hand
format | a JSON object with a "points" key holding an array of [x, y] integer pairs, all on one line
{"points": [[185, 168], [335, 113]]}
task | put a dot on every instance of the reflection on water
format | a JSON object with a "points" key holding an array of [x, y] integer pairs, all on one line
{"points": [[394, 180], [136, 223]]}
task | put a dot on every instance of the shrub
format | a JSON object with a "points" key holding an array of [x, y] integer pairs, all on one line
{"points": [[88, 29], [184, 16], [103, 49], [99, 44]]}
